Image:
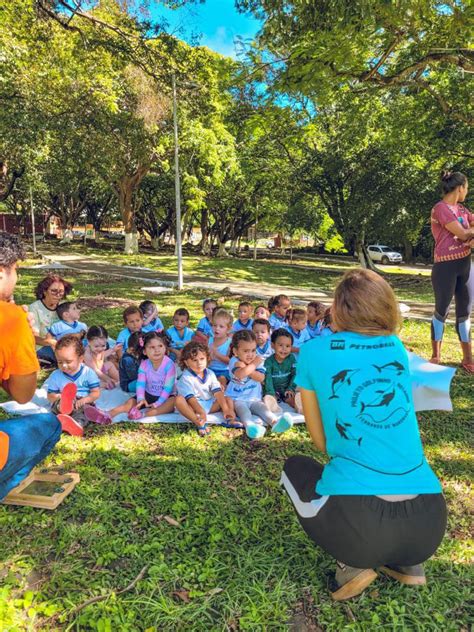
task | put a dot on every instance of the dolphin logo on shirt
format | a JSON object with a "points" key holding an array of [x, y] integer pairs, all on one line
{"points": [[341, 378], [385, 400], [342, 427], [395, 366]]}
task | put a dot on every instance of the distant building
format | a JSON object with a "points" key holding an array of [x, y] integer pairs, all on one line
{"points": [[21, 224]]}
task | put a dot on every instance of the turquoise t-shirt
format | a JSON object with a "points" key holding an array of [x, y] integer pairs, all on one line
{"points": [[364, 391]]}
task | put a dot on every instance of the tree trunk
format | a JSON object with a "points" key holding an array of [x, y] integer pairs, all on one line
{"points": [[362, 253], [408, 247], [155, 243], [221, 251], [125, 188], [233, 247]]}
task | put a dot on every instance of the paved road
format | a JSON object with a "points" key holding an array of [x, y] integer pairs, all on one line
{"points": [[157, 282]]}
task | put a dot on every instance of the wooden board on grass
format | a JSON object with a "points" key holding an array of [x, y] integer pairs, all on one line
{"points": [[43, 490]]}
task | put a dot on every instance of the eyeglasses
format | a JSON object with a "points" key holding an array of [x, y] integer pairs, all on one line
{"points": [[53, 291]]}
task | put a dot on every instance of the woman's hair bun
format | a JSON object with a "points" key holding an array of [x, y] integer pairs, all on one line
{"points": [[446, 175]]}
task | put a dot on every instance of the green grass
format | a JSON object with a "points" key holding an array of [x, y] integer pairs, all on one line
{"points": [[238, 559], [303, 273]]}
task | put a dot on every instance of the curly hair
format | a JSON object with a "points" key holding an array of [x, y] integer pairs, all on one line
{"points": [[190, 351], [11, 250], [245, 335], [48, 281], [70, 340]]}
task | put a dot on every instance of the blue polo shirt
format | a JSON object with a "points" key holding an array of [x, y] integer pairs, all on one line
{"points": [[61, 328], [205, 327], [364, 391], [179, 340], [85, 379]]}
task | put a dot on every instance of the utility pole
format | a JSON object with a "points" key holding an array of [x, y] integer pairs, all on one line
{"points": [[33, 229], [179, 248]]}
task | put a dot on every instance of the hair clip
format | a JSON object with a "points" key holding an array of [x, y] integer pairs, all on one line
{"points": [[140, 341]]}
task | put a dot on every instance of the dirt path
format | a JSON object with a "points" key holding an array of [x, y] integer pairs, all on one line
{"points": [[157, 281]]}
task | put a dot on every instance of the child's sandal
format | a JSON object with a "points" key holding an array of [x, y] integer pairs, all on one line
{"points": [[68, 395], [203, 430]]}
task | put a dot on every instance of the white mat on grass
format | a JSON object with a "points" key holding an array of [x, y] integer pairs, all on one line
{"points": [[116, 397], [430, 386]]}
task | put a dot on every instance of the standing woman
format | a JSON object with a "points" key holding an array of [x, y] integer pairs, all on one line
{"points": [[377, 504], [49, 293], [451, 225]]}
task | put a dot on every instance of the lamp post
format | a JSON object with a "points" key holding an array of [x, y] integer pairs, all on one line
{"points": [[177, 186]]}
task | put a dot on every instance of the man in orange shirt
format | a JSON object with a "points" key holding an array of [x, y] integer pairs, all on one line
{"points": [[24, 441]]}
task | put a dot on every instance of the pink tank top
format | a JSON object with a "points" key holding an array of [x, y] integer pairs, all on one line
{"points": [[447, 246]]}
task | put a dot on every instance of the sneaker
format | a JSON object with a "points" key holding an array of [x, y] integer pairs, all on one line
{"points": [[97, 416], [409, 575], [271, 403], [283, 424], [350, 581], [254, 431], [134, 414], [68, 395], [70, 425]]}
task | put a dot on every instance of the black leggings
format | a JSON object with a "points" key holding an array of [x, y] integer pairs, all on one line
{"points": [[365, 531], [452, 278]]}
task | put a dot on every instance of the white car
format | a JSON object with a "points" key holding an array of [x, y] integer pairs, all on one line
{"points": [[384, 254]]}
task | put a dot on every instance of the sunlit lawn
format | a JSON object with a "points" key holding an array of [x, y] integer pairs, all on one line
{"points": [[238, 559], [305, 273]]}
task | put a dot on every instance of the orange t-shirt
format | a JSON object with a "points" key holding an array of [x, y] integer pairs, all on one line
{"points": [[17, 353]]}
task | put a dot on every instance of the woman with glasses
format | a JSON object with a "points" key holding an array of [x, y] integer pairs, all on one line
{"points": [[49, 293]]}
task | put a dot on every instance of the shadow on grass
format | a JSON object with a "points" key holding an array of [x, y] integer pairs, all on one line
{"points": [[221, 541]]}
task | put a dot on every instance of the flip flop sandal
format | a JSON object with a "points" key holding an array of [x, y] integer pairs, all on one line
{"points": [[203, 430], [70, 425], [68, 395], [354, 586], [468, 367], [232, 424], [97, 416]]}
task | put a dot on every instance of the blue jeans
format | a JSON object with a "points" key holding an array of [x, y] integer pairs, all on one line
{"points": [[32, 438], [47, 353]]}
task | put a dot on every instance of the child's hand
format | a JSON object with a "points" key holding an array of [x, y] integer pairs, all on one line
{"points": [[201, 416], [109, 385], [289, 394], [212, 352], [143, 404], [228, 413], [258, 361], [79, 403]]}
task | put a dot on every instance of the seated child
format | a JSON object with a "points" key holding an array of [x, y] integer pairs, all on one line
{"points": [[244, 321], [179, 333], [262, 311], [133, 320], [297, 320], [315, 311], [69, 324], [280, 371], [244, 391], [151, 320], [97, 356], [219, 344], [261, 329], [72, 385], [199, 392], [326, 329], [155, 383], [129, 363], [204, 328], [278, 307]]}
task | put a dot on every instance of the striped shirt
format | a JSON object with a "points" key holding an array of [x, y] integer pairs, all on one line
{"points": [[158, 382]]}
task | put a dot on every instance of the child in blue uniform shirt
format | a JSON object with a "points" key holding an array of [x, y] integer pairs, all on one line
{"points": [[261, 329], [72, 385], [297, 327], [179, 333], [151, 320], [69, 323], [315, 311], [219, 344], [133, 320], [204, 327], [278, 306], [244, 321]]}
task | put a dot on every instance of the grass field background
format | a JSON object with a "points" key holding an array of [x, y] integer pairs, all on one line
{"points": [[221, 543]]}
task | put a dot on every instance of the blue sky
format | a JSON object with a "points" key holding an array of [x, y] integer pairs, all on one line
{"points": [[215, 24]]}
